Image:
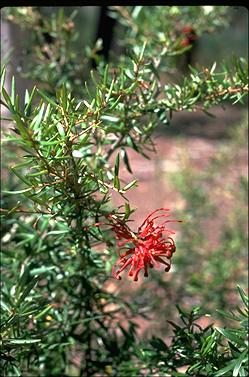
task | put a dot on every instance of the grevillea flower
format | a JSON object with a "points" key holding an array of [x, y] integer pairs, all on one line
{"points": [[190, 36], [149, 247]]}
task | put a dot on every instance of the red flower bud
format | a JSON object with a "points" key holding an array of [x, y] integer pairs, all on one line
{"points": [[188, 29]]}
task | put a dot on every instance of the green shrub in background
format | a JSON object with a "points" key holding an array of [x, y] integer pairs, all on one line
{"points": [[218, 192], [58, 318]]}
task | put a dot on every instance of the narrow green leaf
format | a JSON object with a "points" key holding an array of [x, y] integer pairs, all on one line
{"points": [[5, 306], [116, 168], [16, 370], [231, 335], [11, 321], [105, 75], [116, 182], [110, 91], [127, 211], [243, 296], [239, 362], [137, 9], [27, 290], [142, 51], [60, 129], [42, 172], [29, 99], [21, 177], [223, 371], [131, 143], [13, 90], [20, 341], [43, 312], [58, 232], [109, 118], [7, 98], [92, 318], [130, 185], [77, 154], [126, 160], [17, 192], [213, 68], [46, 98], [26, 97], [41, 270], [3, 75], [35, 124], [115, 103]]}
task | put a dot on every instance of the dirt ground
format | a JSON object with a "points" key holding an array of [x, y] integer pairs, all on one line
{"points": [[199, 136]]}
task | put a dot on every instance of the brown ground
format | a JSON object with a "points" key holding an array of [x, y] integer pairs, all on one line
{"points": [[199, 136]]}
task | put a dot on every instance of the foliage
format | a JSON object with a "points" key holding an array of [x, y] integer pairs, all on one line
{"points": [[209, 351], [51, 48], [218, 214], [59, 317]]}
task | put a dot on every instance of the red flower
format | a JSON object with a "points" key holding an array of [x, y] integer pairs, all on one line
{"points": [[187, 29], [185, 42], [146, 248], [189, 37]]}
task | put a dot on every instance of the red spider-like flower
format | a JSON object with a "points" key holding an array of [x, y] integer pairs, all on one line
{"points": [[190, 36], [146, 248]]}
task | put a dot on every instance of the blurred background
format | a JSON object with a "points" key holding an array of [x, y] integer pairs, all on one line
{"points": [[200, 171]]}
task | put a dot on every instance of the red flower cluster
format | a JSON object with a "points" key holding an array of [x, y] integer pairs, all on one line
{"points": [[190, 36], [148, 247]]}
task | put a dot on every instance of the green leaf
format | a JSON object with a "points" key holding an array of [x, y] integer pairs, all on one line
{"points": [[27, 290], [42, 172], [17, 192], [110, 91], [43, 312], [58, 232], [126, 160], [208, 344], [3, 75], [243, 296], [21, 177], [239, 362], [131, 143], [110, 119], [60, 129], [22, 342], [20, 125], [116, 168], [224, 370], [35, 124], [231, 335], [77, 154], [5, 306], [46, 98], [41, 270], [127, 211], [213, 68], [130, 185], [11, 321], [17, 370], [142, 51], [115, 103], [13, 90], [28, 101], [159, 344], [116, 182], [105, 76]]}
